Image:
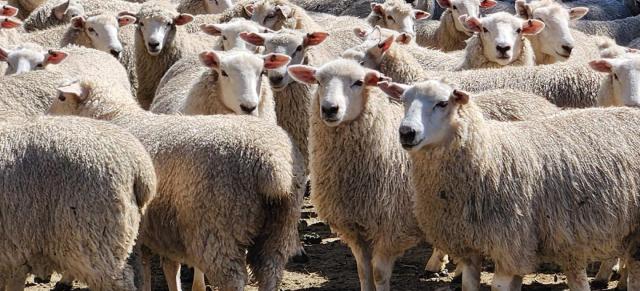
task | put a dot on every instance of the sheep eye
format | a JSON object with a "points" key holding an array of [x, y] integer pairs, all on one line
{"points": [[62, 98], [615, 76], [455, 7], [362, 63], [263, 73], [169, 24], [224, 73], [299, 48], [519, 30], [358, 83], [442, 104], [91, 29], [224, 37], [389, 17], [40, 65], [141, 24], [485, 29]]}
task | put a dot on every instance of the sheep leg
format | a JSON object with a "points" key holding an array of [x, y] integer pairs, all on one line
{"points": [[471, 273], [66, 283], [506, 282], [16, 281], [624, 276], [171, 271], [633, 272], [604, 273], [198, 280], [362, 253], [437, 262], [145, 262], [382, 269], [578, 280]]}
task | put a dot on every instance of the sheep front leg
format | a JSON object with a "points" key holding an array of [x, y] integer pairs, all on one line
{"points": [[437, 262], [471, 273], [198, 280], [362, 253], [577, 279], [604, 273], [171, 271], [145, 262], [505, 282], [382, 269], [16, 281], [633, 272], [624, 276]]}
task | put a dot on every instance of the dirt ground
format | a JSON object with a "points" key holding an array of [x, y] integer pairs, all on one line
{"points": [[332, 268]]}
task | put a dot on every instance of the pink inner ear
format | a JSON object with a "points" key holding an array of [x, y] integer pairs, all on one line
{"points": [[10, 23], [532, 26], [444, 3], [274, 61], [303, 73], [315, 38], [372, 78], [386, 44], [601, 66], [3, 54], [211, 29], [183, 19], [473, 24], [488, 3], [78, 22], [392, 89], [125, 20], [72, 89], [252, 38], [419, 14], [210, 59], [55, 57], [377, 8], [8, 10]]}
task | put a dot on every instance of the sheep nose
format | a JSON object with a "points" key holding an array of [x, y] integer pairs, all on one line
{"points": [[276, 79], [330, 111], [407, 135], [248, 108], [410, 1], [115, 53], [503, 48], [154, 45], [567, 48]]}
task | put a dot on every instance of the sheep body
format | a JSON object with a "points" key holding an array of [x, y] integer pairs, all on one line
{"points": [[358, 8], [43, 17], [622, 30], [94, 178], [441, 34]]}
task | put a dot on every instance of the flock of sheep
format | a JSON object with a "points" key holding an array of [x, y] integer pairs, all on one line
{"points": [[199, 123]]}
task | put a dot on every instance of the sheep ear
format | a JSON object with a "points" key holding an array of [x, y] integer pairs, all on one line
{"points": [[471, 23], [4, 54], [182, 19], [126, 20], [377, 9], [78, 22], [394, 90], [8, 10], [460, 97], [129, 13], [522, 9], [74, 91], [54, 57], [315, 38], [373, 77], [60, 9], [212, 29], [488, 3], [532, 26], [252, 38], [444, 3], [274, 61], [284, 10], [303, 74], [248, 9], [578, 12], [10, 22], [386, 44], [603, 66], [210, 59], [404, 38], [361, 32], [419, 14]]}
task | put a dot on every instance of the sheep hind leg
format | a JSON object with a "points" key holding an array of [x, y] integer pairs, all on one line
{"points": [[624, 276], [16, 281], [437, 262], [471, 268], [633, 273], [382, 269], [362, 252], [506, 282], [578, 280], [198, 281], [604, 273], [145, 263], [171, 271]]}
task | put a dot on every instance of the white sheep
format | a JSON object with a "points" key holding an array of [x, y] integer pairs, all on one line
{"points": [[500, 40], [397, 15], [195, 7], [160, 41], [366, 202], [54, 12], [219, 83], [29, 57], [213, 172], [449, 34], [555, 42], [622, 85], [623, 31], [230, 33], [94, 178], [460, 156], [356, 8]]}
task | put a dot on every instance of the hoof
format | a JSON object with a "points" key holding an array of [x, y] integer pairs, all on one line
{"points": [[599, 285], [39, 280], [62, 287], [301, 257]]}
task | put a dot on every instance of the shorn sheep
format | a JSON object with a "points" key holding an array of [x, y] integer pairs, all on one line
{"points": [[621, 87], [220, 83], [29, 57], [397, 15], [555, 42], [361, 201], [94, 178], [483, 187], [213, 172], [449, 34]]}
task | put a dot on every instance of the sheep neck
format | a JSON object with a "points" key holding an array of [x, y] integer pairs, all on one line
{"points": [[447, 37], [400, 66]]}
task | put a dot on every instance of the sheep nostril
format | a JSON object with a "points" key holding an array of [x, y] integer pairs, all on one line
{"points": [[154, 45], [248, 109], [407, 135], [330, 111], [567, 48], [503, 49], [276, 79]]}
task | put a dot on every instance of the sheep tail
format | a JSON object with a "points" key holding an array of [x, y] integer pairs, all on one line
{"points": [[144, 186]]}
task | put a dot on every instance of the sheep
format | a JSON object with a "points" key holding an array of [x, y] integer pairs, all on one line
{"points": [[500, 40], [8, 10], [622, 30], [25, 7], [449, 34], [229, 83], [237, 170], [278, 14], [239, 10], [230, 33], [357, 8], [195, 7], [459, 156], [362, 202], [397, 15], [555, 42], [621, 86], [94, 178], [29, 57], [53, 13], [160, 41]]}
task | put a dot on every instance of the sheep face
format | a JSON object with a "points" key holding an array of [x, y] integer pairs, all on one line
{"points": [[217, 6], [271, 15], [230, 33], [555, 39], [29, 58], [471, 8], [372, 51], [343, 88], [398, 16], [102, 30], [158, 30], [287, 42], [430, 109], [72, 99], [67, 10], [239, 77], [623, 80], [502, 35]]}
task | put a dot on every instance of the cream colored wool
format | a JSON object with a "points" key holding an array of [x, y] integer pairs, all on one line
{"points": [[44, 17], [238, 10], [73, 194], [474, 57], [214, 172], [512, 105], [297, 18], [623, 31], [193, 7], [25, 7], [356, 8], [441, 34]]}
